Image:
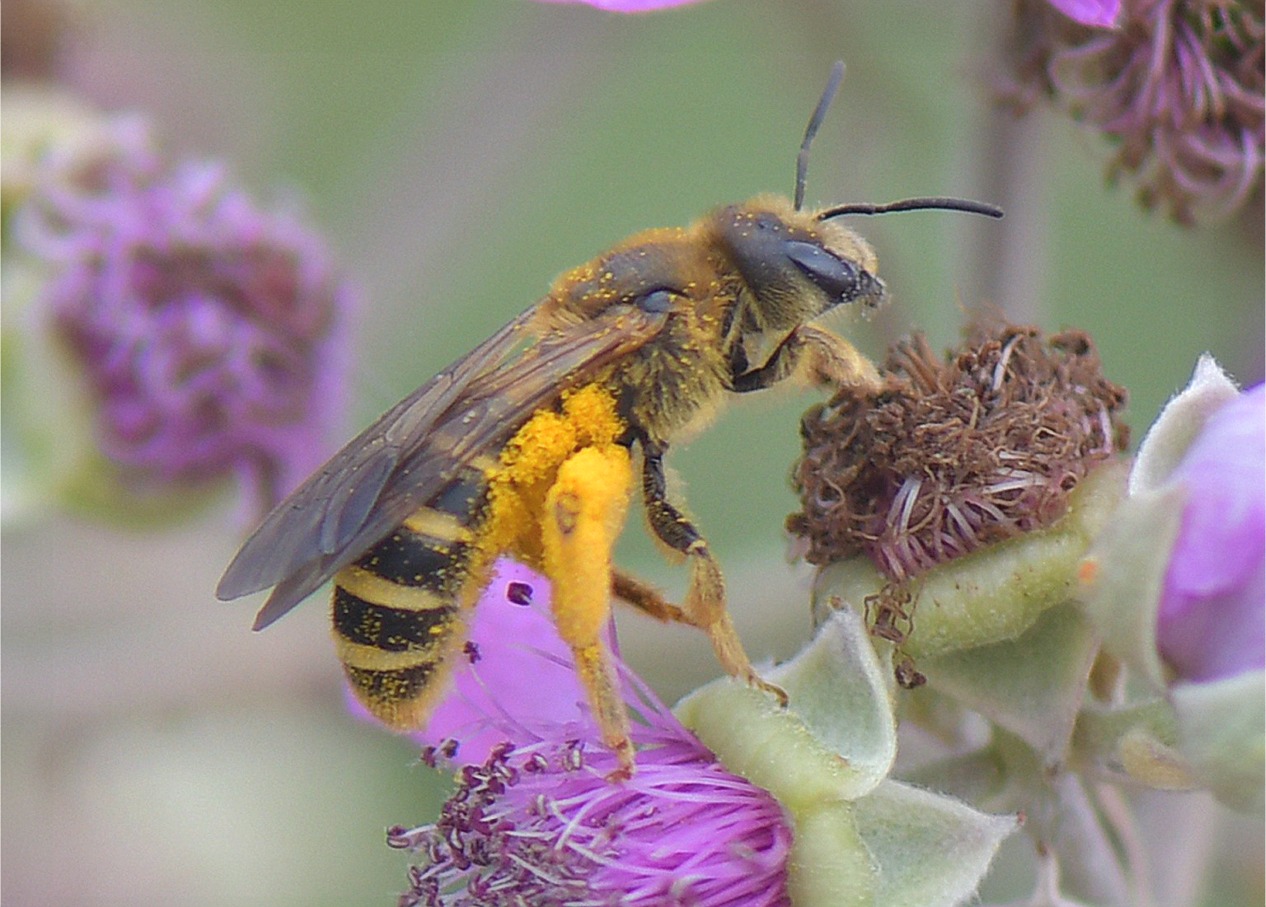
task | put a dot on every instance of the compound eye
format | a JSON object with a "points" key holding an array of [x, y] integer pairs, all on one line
{"points": [[656, 302], [836, 277]]}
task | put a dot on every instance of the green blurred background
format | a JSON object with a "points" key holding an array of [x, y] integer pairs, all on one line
{"points": [[459, 155]]}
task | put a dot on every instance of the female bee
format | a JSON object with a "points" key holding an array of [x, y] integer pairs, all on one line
{"points": [[530, 446]]}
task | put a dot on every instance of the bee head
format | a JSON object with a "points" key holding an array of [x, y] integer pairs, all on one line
{"points": [[798, 264], [794, 266]]}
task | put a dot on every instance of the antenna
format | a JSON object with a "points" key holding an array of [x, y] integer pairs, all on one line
{"points": [[819, 112], [914, 204], [908, 204]]}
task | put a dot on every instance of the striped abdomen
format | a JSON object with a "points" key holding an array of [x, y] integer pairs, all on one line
{"points": [[397, 609]]}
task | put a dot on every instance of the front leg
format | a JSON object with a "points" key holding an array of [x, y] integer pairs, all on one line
{"points": [[829, 360], [705, 599]]}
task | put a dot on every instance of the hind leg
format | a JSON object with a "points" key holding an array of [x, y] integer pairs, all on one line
{"points": [[584, 512]]}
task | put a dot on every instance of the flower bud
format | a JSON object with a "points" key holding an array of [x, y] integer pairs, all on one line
{"points": [[1175, 584]]}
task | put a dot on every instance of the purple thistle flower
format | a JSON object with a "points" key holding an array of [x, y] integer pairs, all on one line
{"points": [[627, 6], [1177, 86], [211, 334], [534, 819], [1212, 616]]}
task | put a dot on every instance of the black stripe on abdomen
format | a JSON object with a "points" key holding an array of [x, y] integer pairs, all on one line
{"points": [[418, 560], [386, 687], [462, 496], [387, 628], [397, 609]]}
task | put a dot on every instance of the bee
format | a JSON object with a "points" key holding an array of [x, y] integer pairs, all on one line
{"points": [[533, 445]]}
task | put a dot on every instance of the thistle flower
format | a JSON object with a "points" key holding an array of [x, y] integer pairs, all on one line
{"points": [[542, 825], [534, 819], [1101, 13], [209, 334], [1176, 86], [800, 811]]}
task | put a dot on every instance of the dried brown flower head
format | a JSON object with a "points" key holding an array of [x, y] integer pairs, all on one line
{"points": [[953, 455]]}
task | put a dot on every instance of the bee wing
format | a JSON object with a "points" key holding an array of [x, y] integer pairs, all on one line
{"points": [[328, 507], [407, 455]]}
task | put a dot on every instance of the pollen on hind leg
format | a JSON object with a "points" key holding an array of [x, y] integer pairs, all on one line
{"points": [[584, 513]]}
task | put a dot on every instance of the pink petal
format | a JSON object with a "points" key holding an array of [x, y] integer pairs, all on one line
{"points": [[627, 6], [1095, 13], [521, 684], [1212, 617]]}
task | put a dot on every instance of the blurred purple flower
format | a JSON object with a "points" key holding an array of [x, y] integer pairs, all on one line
{"points": [[212, 334], [627, 6], [1098, 13], [534, 819], [1176, 86], [1212, 617]]}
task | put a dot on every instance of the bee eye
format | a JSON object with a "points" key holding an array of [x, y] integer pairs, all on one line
{"points": [[656, 301], [836, 277]]}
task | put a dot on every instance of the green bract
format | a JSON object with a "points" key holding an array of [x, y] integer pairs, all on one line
{"points": [[994, 594], [860, 838]]}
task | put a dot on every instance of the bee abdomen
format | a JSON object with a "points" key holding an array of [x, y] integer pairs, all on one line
{"points": [[397, 610], [391, 694], [418, 560]]}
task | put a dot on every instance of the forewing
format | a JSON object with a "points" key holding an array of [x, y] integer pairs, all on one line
{"points": [[328, 509], [488, 409]]}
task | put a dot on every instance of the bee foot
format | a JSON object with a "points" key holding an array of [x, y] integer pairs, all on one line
{"points": [[765, 686], [626, 754]]}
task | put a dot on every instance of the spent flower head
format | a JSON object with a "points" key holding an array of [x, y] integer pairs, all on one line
{"points": [[210, 334], [534, 818], [1175, 85], [950, 456]]}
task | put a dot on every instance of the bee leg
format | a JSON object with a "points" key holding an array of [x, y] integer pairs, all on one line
{"points": [[633, 591], [829, 360], [584, 512], [705, 599]]}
